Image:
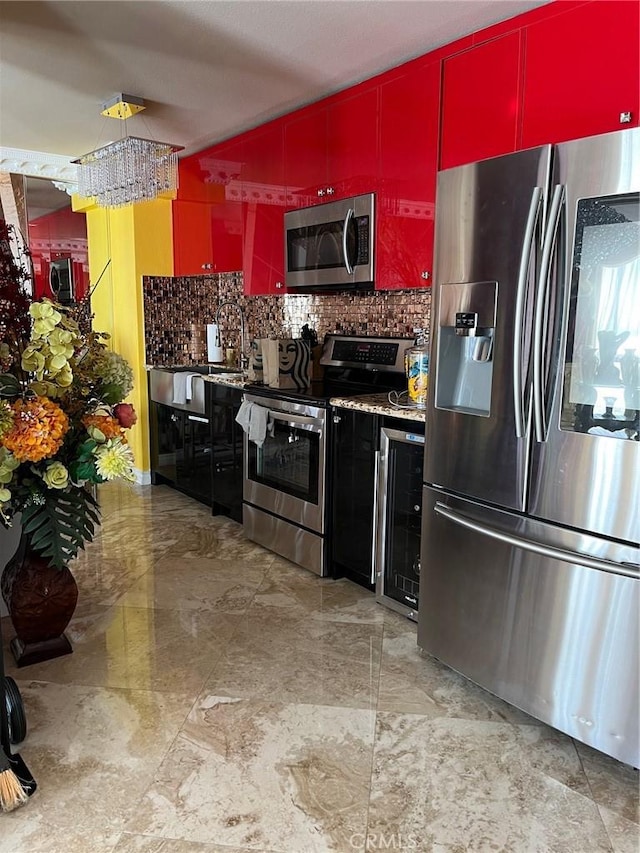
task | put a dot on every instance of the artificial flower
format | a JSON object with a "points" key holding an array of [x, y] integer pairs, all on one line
{"points": [[39, 427], [125, 414], [114, 460], [116, 376], [108, 426], [61, 427], [56, 476]]}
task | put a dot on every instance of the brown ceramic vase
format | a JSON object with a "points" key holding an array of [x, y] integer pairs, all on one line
{"points": [[41, 600]]}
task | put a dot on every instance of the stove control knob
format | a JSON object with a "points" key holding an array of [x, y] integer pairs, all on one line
{"points": [[417, 507]]}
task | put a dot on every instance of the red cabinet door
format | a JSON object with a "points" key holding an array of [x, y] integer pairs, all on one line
{"points": [[480, 102], [352, 144], [263, 206], [192, 253], [222, 168], [409, 117], [305, 156], [207, 232], [581, 72], [331, 149]]}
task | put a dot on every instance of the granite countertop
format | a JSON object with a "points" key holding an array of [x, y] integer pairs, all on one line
{"points": [[377, 404], [233, 380]]}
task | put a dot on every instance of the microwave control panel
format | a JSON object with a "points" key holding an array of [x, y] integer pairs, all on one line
{"points": [[362, 226]]}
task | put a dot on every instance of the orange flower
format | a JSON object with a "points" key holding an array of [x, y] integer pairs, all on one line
{"points": [[107, 425], [39, 428]]}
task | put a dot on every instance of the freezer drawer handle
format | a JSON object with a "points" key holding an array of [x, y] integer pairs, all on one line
{"points": [[537, 547]]}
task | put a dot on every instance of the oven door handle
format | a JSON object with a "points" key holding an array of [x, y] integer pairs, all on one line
{"points": [[297, 421]]}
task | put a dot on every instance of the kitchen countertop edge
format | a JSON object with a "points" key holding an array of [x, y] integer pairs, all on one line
{"points": [[377, 404]]}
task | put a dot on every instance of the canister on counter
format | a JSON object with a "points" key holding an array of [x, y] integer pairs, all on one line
{"points": [[416, 361]]}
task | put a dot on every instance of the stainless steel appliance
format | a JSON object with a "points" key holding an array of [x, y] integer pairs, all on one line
{"points": [[399, 514], [330, 246], [61, 280], [286, 478], [531, 510]]}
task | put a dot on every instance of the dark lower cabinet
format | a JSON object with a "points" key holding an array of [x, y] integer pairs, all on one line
{"points": [[355, 437], [166, 430], [226, 449], [201, 453], [193, 459], [181, 450]]}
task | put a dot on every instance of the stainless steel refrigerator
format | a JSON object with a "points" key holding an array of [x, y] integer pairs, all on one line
{"points": [[531, 509]]}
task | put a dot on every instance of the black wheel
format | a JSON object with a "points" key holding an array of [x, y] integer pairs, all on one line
{"points": [[15, 711]]}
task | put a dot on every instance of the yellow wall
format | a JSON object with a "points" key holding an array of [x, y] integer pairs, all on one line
{"points": [[138, 240]]}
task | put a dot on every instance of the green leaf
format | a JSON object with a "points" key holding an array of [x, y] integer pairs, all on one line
{"points": [[83, 470], [9, 385], [60, 527]]}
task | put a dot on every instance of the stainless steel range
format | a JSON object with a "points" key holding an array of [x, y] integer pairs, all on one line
{"points": [[286, 478]]}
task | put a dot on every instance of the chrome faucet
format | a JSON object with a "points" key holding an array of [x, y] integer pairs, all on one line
{"points": [[244, 358]]}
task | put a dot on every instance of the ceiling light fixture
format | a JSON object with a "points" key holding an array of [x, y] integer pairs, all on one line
{"points": [[130, 169]]}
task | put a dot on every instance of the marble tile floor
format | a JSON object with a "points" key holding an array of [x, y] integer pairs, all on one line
{"points": [[221, 700]]}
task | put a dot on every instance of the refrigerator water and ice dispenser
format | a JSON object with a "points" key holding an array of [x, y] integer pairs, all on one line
{"points": [[466, 324]]}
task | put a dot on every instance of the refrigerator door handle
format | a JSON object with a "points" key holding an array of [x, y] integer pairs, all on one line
{"points": [[525, 259], [628, 570], [539, 415]]}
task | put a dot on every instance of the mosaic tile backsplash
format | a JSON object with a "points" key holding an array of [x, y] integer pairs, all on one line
{"points": [[176, 311]]}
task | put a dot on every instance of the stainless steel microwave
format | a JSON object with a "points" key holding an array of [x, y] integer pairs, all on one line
{"points": [[330, 246]]}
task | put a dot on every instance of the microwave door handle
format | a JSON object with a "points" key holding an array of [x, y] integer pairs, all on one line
{"points": [[345, 228]]}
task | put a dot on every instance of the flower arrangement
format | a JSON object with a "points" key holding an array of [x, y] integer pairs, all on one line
{"points": [[63, 421]]}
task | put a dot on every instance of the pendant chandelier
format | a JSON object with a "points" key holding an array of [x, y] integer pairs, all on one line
{"points": [[130, 169]]}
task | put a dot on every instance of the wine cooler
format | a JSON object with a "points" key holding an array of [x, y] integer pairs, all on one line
{"points": [[398, 522]]}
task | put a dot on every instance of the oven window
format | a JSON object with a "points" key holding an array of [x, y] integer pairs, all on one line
{"points": [[287, 461]]}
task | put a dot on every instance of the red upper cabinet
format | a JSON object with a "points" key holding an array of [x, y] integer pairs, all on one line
{"points": [[352, 144], [192, 254], [581, 72], [263, 206], [480, 101], [207, 232], [221, 167], [409, 116], [330, 149], [305, 156]]}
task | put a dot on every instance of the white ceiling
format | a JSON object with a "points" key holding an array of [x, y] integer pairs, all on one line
{"points": [[207, 70]]}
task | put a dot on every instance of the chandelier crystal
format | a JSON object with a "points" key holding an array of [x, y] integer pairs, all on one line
{"points": [[127, 171]]}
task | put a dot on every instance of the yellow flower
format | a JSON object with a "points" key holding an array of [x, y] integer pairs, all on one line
{"points": [[38, 430], [56, 476], [114, 459]]}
